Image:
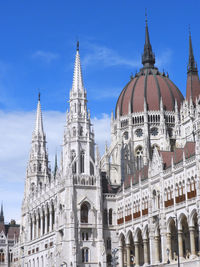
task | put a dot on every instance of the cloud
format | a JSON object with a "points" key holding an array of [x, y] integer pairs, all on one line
{"points": [[107, 57], [16, 133], [47, 57], [164, 58]]}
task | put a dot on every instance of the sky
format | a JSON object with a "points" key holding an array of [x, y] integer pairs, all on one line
{"points": [[37, 52]]}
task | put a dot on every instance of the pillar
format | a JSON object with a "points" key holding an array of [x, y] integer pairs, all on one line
{"points": [[137, 253], [146, 255], [157, 256], [169, 245], [50, 220], [41, 224], [46, 222], [33, 228], [128, 254], [180, 242], [37, 226], [192, 241], [121, 258]]}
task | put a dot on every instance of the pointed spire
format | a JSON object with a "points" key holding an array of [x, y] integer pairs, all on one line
{"points": [[1, 213], [39, 122], [148, 57], [77, 78], [55, 166], [192, 65]]}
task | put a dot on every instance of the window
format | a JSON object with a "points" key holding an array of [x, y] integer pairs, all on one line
{"points": [[109, 259], [81, 131], [110, 216], [2, 256], [109, 243], [84, 213], [105, 217], [82, 159], [74, 131], [139, 158], [85, 255], [73, 161]]}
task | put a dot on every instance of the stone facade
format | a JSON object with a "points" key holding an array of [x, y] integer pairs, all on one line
{"points": [[142, 197]]}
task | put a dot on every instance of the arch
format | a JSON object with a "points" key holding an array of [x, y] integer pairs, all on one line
{"points": [[110, 219], [85, 255], [85, 212], [139, 157]]}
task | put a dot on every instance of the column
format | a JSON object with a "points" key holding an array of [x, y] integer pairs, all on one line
{"points": [[180, 243], [33, 228], [128, 254], [41, 224], [37, 226], [192, 240], [50, 220], [136, 253], [151, 247], [157, 256], [30, 229], [121, 260], [169, 245], [46, 222], [146, 255]]}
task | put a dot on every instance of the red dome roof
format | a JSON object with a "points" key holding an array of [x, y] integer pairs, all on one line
{"points": [[151, 85]]}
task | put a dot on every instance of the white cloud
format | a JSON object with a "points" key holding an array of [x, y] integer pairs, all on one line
{"points": [[47, 57], [15, 135], [164, 58], [107, 57]]}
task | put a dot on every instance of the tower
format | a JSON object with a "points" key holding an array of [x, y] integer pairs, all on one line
{"points": [[83, 229]]}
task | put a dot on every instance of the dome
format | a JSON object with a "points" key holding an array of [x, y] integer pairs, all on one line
{"points": [[150, 85]]}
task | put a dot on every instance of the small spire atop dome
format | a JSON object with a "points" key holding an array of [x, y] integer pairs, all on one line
{"points": [[192, 65], [1, 213], [77, 46], [148, 57]]}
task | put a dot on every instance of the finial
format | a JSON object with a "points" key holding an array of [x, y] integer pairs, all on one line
{"points": [[77, 46], [131, 77], [39, 96], [189, 29]]}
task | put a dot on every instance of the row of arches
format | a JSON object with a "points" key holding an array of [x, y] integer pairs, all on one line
{"points": [[180, 236], [42, 221]]}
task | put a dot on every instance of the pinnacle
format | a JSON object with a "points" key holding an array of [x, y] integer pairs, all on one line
{"points": [[192, 66], [39, 122], [77, 78]]}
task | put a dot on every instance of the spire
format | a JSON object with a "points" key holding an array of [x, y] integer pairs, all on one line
{"points": [[148, 57], [77, 78], [55, 166], [1, 213], [192, 65], [39, 122]]}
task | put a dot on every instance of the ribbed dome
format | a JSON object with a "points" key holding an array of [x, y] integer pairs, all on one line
{"points": [[151, 85]]}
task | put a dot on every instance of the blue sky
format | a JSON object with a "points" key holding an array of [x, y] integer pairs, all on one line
{"points": [[37, 49]]}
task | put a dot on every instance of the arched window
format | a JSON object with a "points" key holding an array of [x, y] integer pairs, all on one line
{"points": [[109, 259], [82, 161], [85, 254], [91, 169], [73, 156], [81, 131], [105, 217], [109, 243], [110, 216], [74, 131], [39, 167], [139, 158], [2, 256], [84, 213]]}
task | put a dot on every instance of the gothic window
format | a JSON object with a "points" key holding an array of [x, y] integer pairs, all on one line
{"points": [[85, 254], [74, 131], [105, 217], [75, 107], [39, 167], [81, 131], [139, 132], [109, 259], [110, 216], [126, 135], [109, 243], [82, 161], [139, 158], [91, 169], [154, 131], [73, 156], [84, 213], [2, 256]]}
